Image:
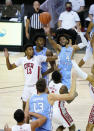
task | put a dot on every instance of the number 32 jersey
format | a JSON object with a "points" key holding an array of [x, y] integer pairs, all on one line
{"points": [[32, 68]]}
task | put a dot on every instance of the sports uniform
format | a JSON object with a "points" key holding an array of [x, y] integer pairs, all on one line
{"points": [[60, 114], [44, 65], [32, 72], [65, 65], [24, 127], [39, 104], [91, 116]]}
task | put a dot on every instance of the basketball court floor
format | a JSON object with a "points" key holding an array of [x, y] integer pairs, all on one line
{"points": [[12, 83]]}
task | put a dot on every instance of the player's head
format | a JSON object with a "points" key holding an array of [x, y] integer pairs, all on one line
{"points": [[56, 77], [41, 85], [19, 115], [36, 5], [40, 40], [63, 90], [64, 40], [92, 69], [28, 49], [62, 37]]}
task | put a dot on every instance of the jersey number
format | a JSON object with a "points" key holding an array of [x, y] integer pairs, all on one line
{"points": [[38, 107], [29, 71]]}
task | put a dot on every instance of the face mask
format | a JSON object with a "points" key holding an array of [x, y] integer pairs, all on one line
{"points": [[68, 9]]}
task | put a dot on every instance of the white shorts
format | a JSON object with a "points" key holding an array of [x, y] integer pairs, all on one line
{"points": [[28, 92], [61, 118], [88, 53]]}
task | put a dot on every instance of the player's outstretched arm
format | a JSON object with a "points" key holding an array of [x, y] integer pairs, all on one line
{"points": [[81, 73], [52, 64], [69, 96], [51, 41], [39, 122], [9, 65]]}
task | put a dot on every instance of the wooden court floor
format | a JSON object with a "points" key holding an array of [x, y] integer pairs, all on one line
{"points": [[12, 83]]}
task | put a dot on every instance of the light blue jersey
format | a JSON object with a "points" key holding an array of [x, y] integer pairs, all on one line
{"points": [[65, 65], [40, 104], [44, 65]]}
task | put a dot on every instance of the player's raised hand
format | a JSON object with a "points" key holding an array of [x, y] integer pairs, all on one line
{"points": [[6, 54], [47, 29]]}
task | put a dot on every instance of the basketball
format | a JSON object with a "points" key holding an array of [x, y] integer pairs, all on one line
{"points": [[45, 18]]}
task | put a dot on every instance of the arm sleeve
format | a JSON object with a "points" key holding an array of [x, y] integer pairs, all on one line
{"points": [[81, 73], [19, 62], [88, 53], [84, 41]]}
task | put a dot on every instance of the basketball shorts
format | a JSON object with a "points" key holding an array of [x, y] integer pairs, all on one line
{"points": [[61, 118], [28, 92]]}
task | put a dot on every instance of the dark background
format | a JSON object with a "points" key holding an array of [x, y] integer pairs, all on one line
{"points": [[88, 2]]}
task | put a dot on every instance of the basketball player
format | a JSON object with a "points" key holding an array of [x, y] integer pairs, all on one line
{"points": [[32, 66], [42, 103], [65, 52], [22, 126], [90, 78], [90, 46], [40, 49], [61, 117]]}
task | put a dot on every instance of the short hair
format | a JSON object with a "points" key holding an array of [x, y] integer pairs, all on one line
{"points": [[41, 85], [27, 45], [56, 76], [41, 35], [63, 90], [19, 115], [68, 3], [68, 34]]}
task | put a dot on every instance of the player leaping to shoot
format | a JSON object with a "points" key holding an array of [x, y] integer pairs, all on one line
{"points": [[32, 69]]}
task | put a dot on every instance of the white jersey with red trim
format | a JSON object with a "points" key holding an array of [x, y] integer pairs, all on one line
{"points": [[24, 127], [60, 114], [91, 90], [32, 68], [54, 88]]}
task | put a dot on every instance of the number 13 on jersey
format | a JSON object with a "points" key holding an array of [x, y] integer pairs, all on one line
{"points": [[38, 107]]}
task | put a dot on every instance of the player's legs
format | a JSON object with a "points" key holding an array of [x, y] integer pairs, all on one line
{"points": [[24, 104], [60, 128], [90, 124], [27, 93], [72, 128], [89, 127], [61, 118]]}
